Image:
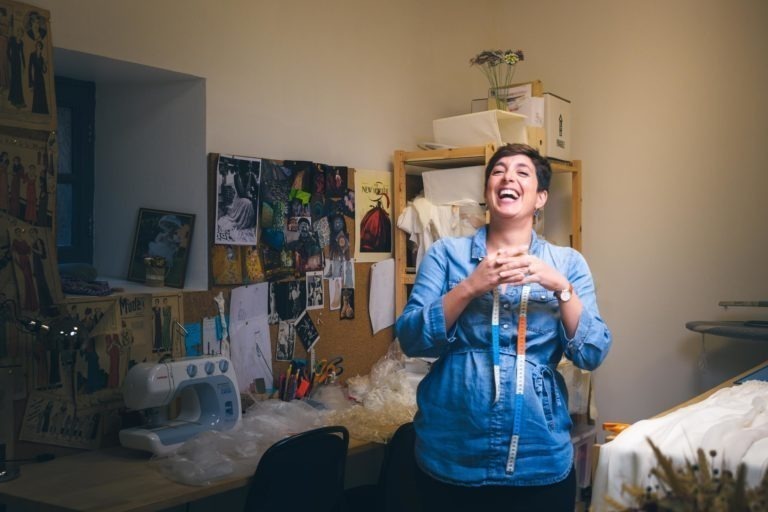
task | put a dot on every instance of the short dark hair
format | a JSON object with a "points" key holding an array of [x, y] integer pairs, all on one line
{"points": [[541, 164]]}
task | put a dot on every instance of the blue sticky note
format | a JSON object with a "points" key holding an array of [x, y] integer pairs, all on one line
{"points": [[194, 339]]}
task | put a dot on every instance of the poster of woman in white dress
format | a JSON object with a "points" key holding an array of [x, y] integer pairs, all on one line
{"points": [[237, 200]]}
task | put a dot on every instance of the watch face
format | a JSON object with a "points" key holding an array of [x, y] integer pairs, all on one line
{"points": [[565, 295]]}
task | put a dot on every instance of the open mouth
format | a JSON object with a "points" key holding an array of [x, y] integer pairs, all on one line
{"points": [[508, 193]]}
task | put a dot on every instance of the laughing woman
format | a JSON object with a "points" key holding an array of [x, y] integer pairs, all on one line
{"points": [[499, 310]]}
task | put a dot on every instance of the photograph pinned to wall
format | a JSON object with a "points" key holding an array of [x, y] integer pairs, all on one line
{"points": [[373, 215], [291, 298], [276, 181], [226, 265], [36, 270], [335, 180], [339, 246], [277, 263], [307, 253], [347, 304], [28, 175], [165, 237], [286, 340], [334, 293], [348, 274], [238, 181], [306, 331], [347, 204], [323, 230], [317, 203], [27, 96], [275, 190], [299, 196], [272, 315], [315, 296], [254, 270]]}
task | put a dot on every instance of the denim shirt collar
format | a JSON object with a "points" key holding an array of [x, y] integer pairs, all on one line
{"points": [[480, 250]]}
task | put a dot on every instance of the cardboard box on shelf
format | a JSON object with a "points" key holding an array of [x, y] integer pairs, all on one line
{"points": [[490, 126], [557, 124], [548, 125]]}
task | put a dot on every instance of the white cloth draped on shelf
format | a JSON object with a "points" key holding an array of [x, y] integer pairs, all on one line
{"points": [[426, 222], [733, 422]]}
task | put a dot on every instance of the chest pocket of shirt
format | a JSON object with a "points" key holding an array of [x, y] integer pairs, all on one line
{"points": [[543, 310]]}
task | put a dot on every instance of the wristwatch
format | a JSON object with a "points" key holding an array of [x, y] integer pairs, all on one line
{"points": [[565, 295]]}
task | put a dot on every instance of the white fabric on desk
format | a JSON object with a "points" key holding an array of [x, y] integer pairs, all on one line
{"points": [[733, 422]]}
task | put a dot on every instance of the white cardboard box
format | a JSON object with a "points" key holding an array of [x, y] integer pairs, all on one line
{"points": [[557, 125], [491, 126]]}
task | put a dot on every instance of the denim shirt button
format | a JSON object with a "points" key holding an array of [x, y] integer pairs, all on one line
{"points": [[505, 326], [506, 306]]}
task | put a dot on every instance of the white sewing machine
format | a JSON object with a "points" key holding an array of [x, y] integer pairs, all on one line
{"points": [[209, 396]]}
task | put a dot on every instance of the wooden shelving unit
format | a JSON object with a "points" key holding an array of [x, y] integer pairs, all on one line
{"points": [[408, 166]]}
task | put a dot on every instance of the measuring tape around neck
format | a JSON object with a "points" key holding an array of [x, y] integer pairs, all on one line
{"points": [[519, 365]]}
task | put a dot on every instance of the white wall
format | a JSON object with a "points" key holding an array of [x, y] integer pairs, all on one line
{"points": [[669, 113], [669, 110]]}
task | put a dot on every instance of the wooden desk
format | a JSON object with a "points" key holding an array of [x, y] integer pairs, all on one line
{"points": [[119, 480]]}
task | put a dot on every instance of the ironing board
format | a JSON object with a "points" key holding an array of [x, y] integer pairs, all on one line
{"points": [[748, 330]]}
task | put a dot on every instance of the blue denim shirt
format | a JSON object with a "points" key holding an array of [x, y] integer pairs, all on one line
{"points": [[461, 436]]}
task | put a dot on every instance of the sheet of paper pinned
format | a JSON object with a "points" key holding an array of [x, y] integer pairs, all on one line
{"points": [[249, 334], [381, 302]]}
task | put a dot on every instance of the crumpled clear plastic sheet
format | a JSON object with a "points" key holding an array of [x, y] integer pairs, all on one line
{"points": [[215, 455], [383, 400], [386, 398]]}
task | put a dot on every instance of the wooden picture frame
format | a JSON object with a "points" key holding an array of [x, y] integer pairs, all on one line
{"points": [[161, 233]]}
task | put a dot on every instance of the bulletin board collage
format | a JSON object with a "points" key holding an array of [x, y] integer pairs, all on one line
{"points": [[309, 232]]}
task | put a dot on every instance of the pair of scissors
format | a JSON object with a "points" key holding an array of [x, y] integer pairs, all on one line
{"points": [[327, 371]]}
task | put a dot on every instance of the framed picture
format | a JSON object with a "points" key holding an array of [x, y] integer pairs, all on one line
{"points": [[165, 237]]}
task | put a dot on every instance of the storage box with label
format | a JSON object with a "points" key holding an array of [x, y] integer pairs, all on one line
{"points": [[557, 126], [491, 126]]}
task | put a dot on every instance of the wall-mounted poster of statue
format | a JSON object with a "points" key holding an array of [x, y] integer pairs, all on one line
{"points": [[27, 97], [28, 175]]}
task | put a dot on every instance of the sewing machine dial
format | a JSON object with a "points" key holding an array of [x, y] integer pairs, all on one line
{"points": [[223, 365], [191, 370], [209, 367]]}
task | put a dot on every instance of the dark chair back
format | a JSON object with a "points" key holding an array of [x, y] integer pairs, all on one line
{"points": [[398, 482], [302, 472], [397, 489]]}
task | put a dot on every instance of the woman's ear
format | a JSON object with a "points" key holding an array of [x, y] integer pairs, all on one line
{"points": [[541, 198]]}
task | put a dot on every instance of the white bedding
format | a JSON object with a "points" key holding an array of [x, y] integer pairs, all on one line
{"points": [[733, 422]]}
